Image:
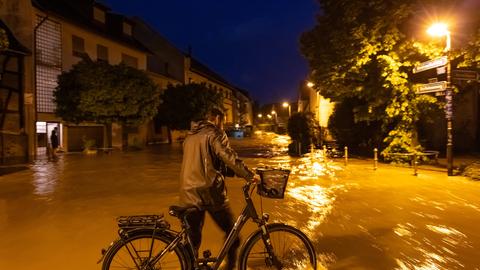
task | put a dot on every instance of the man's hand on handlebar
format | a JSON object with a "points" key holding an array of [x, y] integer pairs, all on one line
{"points": [[256, 179]]}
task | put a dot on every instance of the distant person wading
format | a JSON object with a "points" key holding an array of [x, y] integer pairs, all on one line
{"points": [[54, 143]]}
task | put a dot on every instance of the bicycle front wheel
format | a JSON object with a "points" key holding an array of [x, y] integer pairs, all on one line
{"points": [[136, 252], [291, 250]]}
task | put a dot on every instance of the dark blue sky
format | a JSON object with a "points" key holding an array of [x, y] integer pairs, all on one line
{"points": [[254, 44]]}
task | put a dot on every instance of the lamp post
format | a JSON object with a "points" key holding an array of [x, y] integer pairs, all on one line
{"points": [[259, 120], [285, 105], [440, 30], [274, 113]]}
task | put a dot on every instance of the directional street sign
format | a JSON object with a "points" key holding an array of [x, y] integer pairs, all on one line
{"points": [[432, 87], [438, 62], [465, 75]]}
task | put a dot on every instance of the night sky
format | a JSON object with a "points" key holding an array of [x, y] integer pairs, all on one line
{"points": [[253, 44]]}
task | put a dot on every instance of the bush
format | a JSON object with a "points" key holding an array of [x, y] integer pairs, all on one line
{"points": [[301, 129], [88, 144], [360, 136]]}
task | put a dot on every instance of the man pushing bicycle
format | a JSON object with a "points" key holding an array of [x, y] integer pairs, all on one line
{"points": [[207, 158]]}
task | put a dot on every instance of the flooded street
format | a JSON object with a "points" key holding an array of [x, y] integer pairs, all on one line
{"points": [[59, 215]]}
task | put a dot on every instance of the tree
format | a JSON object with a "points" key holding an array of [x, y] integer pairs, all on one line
{"points": [[242, 110], [301, 129], [4, 43], [182, 104], [358, 135], [471, 54], [105, 94], [365, 51]]}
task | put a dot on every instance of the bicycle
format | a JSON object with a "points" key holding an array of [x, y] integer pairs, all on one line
{"points": [[147, 242]]}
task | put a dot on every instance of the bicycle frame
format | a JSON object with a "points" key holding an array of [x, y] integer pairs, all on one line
{"points": [[248, 212]]}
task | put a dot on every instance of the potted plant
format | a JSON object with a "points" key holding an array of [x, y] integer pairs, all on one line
{"points": [[89, 146]]}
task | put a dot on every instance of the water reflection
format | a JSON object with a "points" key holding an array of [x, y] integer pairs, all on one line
{"points": [[46, 175], [317, 202], [435, 251]]}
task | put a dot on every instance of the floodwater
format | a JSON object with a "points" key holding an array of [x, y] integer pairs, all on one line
{"points": [[59, 215]]}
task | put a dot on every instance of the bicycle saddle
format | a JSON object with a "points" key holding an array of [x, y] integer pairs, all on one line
{"points": [[181, 211]]}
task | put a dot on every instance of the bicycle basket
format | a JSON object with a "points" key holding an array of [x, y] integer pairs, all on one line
{"points": [[150, 221], [273, 182]]}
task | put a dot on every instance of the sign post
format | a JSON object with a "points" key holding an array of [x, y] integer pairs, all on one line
{"points": [[446, 87], [464, 75], [432, 87], [438, 62]]}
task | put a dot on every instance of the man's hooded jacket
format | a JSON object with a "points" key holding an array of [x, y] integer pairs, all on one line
{"points": [[205, 153]]}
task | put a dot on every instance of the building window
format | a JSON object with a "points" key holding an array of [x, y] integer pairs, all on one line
{"points": [[48, 46], [127, 29], [130, 60], [154, 64], [102, 53], [78, 46], [98, 14]]}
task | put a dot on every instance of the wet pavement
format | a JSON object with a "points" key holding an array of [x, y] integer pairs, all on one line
{"points": [[58, 215]]}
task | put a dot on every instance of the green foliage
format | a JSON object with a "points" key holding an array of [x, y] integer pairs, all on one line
{"points": [[102, 93], [360, 136], [88, 144], [4, 43], [301, 128], [363, 50], [471, 54], [243, 114], [182, 104]]}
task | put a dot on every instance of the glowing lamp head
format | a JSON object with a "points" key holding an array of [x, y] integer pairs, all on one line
{"points": [[310, 84], [274, 112], [260, 115], [438, 30], [285, 104]]}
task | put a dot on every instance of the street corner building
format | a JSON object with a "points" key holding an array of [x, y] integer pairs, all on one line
{"points": [[48, 37]]}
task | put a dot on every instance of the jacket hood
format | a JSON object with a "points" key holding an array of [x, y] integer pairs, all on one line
{"points": [[196, 127]]}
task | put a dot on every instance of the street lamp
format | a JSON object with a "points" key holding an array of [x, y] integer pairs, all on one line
{"points": [[285, 105], [440, 30], [310, 84], [274, 114], [260, 115]]}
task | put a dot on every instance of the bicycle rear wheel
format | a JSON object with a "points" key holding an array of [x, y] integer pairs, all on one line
{"points": [[134, 253], [291, 248]]}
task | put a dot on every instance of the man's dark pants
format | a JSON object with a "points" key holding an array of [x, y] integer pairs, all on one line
{"points": [[223, 217]]}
